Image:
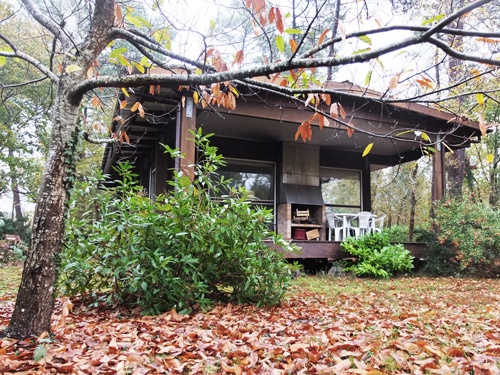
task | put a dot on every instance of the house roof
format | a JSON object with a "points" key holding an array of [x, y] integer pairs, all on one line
{"points": [[267, 117]]}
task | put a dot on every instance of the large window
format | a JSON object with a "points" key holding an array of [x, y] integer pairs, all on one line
{"points": [[256, 177], [341, 189]]}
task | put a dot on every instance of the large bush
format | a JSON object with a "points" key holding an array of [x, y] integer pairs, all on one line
{"points": [[184, 250], [469, 228], [376, 256]]}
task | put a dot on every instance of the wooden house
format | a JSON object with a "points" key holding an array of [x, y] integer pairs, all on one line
{"points": [[258, 140]]}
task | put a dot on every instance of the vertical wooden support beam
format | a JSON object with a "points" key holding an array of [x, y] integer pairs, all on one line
{"points": [[438, 174], [186, 121], [366, 191]]}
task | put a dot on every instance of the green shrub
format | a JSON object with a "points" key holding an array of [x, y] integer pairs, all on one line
{"points": [[376, 257], [184, 250], [397, 233], [439, 259], [20, 228], [469, 228]]}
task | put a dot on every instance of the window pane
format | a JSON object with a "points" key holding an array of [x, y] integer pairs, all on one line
{"points": [[256, 178], [341, 187]]}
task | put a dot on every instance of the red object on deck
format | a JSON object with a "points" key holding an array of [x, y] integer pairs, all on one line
{"points": [[299, 234]]}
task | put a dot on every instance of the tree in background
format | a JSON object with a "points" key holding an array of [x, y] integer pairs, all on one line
{"points": [[23, 119], [77, 35]]}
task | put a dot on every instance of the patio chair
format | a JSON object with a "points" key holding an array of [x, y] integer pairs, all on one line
{"points": [[335, 225], [378, 223], [364, 223]]}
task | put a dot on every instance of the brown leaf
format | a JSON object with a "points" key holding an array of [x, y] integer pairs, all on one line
{"points": [[238, 59], [322, 37], [279, 20], [293, 45], [482, 125], [393, 83], [337, 110]]}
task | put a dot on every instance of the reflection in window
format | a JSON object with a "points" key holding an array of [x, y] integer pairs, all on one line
{"points": [[341, 189], [256, 177]]}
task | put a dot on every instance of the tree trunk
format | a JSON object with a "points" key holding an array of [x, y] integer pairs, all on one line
{"points": [[14, 186], [413, 202], [456, 161], [456, 172], [35, 299]]}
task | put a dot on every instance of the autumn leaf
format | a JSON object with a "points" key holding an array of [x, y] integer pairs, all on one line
{"points": [[279, 20], [125, 92], [135, 107], [304, 131], [393, 83], [280, 43], [479, 98], [367, 150], [238, 59], [293, 45], [337, 110], [326, 98], [310, 99], [482, 125], [323, 36], [96, 102], [426, 82], [350, 132], [488, 40]]}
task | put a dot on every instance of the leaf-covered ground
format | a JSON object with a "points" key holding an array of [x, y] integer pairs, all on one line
{"points": [[326, 326]]}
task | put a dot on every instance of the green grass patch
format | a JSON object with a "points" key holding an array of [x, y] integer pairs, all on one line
{"points": [[10, 277]]}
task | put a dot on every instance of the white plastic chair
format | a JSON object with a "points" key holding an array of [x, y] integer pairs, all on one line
{"points": [[336, 225], [378, 223], [364, 224]]}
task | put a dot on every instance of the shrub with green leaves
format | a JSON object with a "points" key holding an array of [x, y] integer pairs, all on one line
{"points": [[376, 256], [470, 228], [185, 249]]}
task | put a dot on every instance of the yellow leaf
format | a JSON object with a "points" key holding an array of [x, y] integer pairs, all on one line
{"points": [[425, 137], [479, 98], [73, 68], [233, 90], [124, 90], [367, 150], [490, 158], [139, 67], [196, 97]]}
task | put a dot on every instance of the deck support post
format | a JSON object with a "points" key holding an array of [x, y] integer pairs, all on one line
{"points": [[186, 122]]}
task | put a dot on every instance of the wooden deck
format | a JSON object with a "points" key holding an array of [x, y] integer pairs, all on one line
{"points": [[331, 250]]}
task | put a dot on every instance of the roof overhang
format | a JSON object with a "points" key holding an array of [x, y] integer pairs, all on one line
{"points": [[394, 128]]}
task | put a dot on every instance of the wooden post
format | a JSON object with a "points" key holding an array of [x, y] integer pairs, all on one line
{"points": [[438, 176], [186, 121]]}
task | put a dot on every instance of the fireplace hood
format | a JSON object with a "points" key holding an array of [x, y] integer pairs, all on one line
{"points": [[302, 194]]}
